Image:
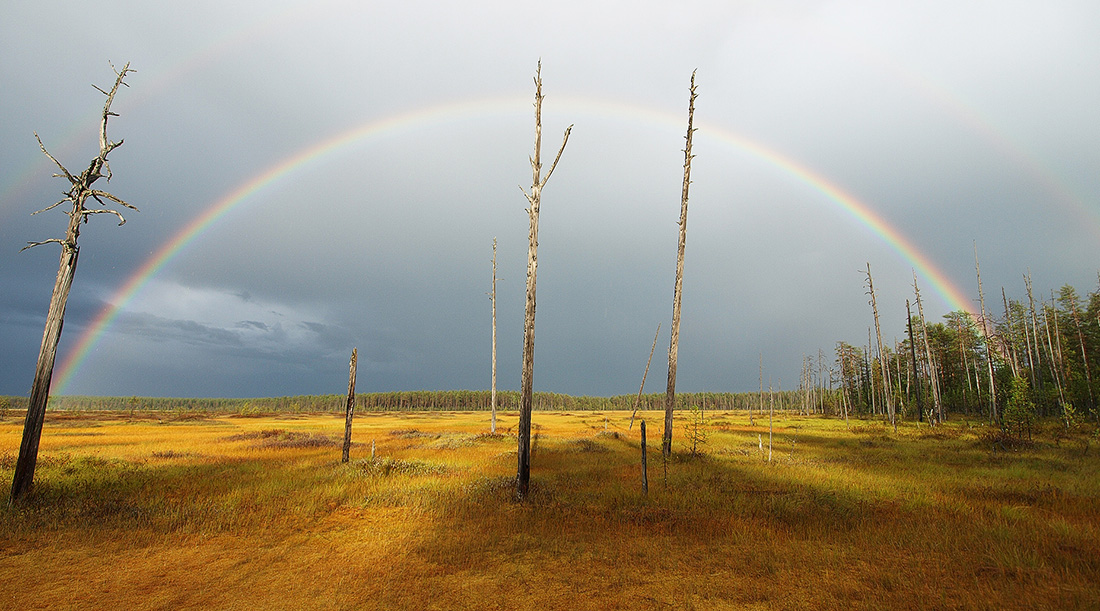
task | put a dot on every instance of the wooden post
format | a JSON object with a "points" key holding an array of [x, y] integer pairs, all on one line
{"points": [[645, 473], [81, 189], [670, 392], [349, 410], [534, 198]]}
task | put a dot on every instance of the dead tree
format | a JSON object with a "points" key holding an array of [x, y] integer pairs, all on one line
{"points": [[638, 401], [913, 356], [883, 362], [988, 337], [349, 409], [493, 299], [930, 365], [674, 342], [523, 476], [81, 188]]}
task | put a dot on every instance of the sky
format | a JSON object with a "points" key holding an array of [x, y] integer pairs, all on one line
{"points": [[319, 176]]}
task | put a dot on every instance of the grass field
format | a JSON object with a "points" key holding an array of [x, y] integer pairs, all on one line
{"points": [[163, 511]]}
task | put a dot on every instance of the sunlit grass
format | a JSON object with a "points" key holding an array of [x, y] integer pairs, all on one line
{"points": [[240, 512]]}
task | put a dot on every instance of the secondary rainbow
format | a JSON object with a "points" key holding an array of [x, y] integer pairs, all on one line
{"points": [[297, 162]]}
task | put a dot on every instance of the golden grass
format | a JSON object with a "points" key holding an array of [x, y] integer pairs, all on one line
{"points": [[242, 513]]}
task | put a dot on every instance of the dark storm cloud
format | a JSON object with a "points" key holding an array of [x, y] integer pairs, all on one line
{"points": [[957, 125]]}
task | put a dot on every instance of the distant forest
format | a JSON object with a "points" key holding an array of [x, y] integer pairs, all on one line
{"points": [[419, 400], [1033, 358]]}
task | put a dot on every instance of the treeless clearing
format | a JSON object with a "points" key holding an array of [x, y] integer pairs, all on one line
{"points": [[230, 512]]}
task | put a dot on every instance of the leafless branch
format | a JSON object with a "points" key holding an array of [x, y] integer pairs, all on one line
{"points": [[121, 221], [65, 173], [98, 194], [51, 207], [105, 146], [33, 244], [558, 156]]}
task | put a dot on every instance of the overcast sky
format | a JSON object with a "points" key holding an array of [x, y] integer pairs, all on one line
{"points": [[955, 124]]}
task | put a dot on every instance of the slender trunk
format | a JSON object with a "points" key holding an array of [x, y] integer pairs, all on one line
{"points": [[1009, 340], [81, 188], [993, 417], [493, 299], [883, 362], [523, 475], [674, 341], [349, 408], [1054, 373], [638, 401], [43, 373], [913, 355], [933, 374]]}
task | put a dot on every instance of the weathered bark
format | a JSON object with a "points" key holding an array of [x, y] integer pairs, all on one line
{"points": [[883, 362], [644, 374], [493, 298], [523, 475], [349, 409], [674, 340], [81, 189]]}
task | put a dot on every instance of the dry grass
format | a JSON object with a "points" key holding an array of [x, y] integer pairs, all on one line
{"points": [[259, 513]]}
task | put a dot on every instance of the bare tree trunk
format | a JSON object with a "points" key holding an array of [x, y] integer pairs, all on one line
{"points": [[81, 189], [933, 374], [988, 343], [1084, 354], [884, 363], [1037, 368], [493, 299], [638, 401], [751, 422], [1008, 339], [913, 356], [670, 393], [523, 475], [771, 415], [349, 409]]}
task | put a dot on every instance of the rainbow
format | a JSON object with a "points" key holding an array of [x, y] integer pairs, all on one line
{"points": [[299, 161]]}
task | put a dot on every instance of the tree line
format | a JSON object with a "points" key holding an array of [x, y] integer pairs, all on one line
{"points": [[413, 400], [1037, 357]]}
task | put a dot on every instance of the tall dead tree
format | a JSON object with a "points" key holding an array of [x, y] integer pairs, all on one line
{"points": [[644, 374], [883, 362], [913, 357], [493, 299], [534, 198], [930, 365], [674, 341], [81, 188], [349, 408], [988, 337]]}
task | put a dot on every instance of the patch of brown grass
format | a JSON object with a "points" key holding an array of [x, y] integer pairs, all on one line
{"points": [[214, 520]]}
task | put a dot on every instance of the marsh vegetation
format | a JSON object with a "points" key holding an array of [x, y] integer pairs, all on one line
{"points": [[175, 509]]}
